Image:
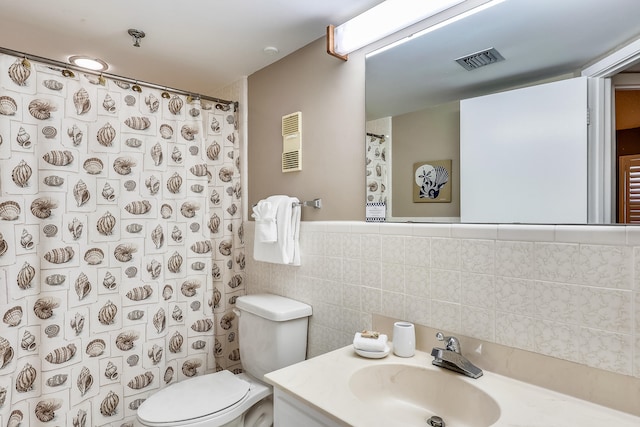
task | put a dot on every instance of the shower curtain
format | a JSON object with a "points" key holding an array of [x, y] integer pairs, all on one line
{"points": [[121, 247]]}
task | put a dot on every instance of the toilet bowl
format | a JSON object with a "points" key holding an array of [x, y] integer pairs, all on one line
{"points": [[273, 334]]}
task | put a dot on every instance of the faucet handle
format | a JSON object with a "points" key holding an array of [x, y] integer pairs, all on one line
{"points": [[452, 343]]}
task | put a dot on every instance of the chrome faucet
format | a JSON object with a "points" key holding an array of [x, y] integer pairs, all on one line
{"points": [[451, 357]]}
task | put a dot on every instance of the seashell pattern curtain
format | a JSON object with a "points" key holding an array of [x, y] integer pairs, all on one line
{"points": [[377, 168], [121, 247]]}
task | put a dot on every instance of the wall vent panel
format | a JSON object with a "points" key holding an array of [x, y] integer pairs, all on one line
{"points": [[292, 142]]}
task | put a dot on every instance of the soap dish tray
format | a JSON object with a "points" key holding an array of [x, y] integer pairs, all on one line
{"points": [[374, 354]]}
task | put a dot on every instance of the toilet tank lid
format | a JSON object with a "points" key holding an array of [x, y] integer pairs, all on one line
{"points": [[273, 307]]}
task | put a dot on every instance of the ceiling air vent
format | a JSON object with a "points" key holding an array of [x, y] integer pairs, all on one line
{"points": [[480, 59]]}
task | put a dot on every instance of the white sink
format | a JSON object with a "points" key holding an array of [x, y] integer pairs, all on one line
{"points": [[349, 390], [409, 395]]}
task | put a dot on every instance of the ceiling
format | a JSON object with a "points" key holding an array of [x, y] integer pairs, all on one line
{"points": [[210, 44], [538, 38], [196, 45]]}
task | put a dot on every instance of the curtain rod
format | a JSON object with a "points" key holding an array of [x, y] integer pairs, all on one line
{"points": [[66, 66]]}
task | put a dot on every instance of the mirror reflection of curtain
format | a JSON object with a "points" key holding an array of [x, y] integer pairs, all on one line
{"points": [[121, 247], [377, 146]]}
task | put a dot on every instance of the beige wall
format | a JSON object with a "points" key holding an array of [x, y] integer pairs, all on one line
{"points": [[430, 134], [330, 95]]}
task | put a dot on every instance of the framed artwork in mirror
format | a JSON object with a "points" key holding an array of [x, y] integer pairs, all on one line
{"points": [[431, 182]]}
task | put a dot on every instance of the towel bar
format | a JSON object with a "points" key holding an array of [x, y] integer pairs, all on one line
{"points": [[315, 203]]}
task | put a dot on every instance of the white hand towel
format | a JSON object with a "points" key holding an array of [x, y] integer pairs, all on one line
{"points": [[285, 250], [265, 215], [370, 344], [295, 230]]}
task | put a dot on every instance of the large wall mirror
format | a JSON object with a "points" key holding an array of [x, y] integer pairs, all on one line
{"points": [[415, 89]]}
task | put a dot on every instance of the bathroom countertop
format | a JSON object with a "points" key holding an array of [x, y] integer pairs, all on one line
{"points": [[323, 383]]}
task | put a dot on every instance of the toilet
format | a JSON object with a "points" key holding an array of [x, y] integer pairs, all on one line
{"points": [[273, 334]]}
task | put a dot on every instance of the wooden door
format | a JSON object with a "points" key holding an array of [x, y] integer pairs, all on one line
{"points": [[629, 189]]}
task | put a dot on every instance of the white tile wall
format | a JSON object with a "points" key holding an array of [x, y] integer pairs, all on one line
{"points": [[563, 291]]}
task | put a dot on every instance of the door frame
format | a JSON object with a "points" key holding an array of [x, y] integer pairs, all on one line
{"points": [[601, 205]]}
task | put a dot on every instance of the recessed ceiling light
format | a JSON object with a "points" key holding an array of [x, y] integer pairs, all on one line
{"points": [[271, 50], [94, 64]]}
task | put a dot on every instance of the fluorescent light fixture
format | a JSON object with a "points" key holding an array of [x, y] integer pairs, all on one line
{"points": [[382, 20], [88, 63], [437, 26]]}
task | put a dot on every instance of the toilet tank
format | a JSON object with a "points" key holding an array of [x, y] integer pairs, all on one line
{"points": [[272, 331]]}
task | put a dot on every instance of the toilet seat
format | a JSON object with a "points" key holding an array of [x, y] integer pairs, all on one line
{"points": [[195, 399]]}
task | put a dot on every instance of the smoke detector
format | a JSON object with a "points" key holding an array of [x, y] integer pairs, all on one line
{"points": [[480, 59]]}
